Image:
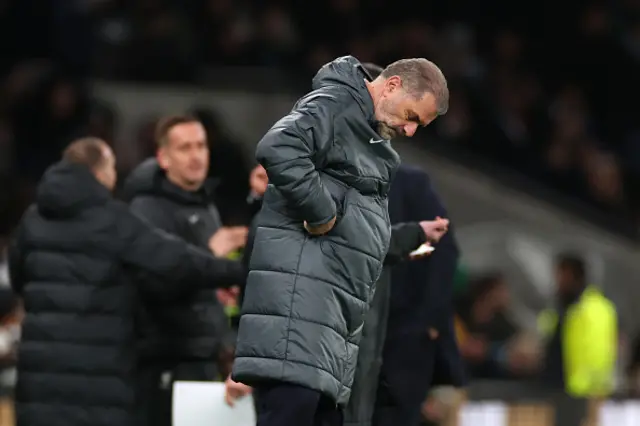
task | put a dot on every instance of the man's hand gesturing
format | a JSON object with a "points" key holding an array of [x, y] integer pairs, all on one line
{"points": [[435, 229], [320, 229], [228, 239]]}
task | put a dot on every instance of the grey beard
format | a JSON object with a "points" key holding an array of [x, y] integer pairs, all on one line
{"points": [[387, 132]]}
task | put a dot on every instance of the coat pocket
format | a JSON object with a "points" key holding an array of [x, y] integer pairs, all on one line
{"points": [[342, 211]]}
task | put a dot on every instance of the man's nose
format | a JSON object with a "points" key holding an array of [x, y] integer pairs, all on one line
{"points": [[410, 129]]}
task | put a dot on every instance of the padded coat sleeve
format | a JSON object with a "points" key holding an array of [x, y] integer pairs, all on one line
{"points": [[288, 151]]}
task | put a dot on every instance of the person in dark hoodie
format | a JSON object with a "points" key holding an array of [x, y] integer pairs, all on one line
{"points": [[186, 339], [72, 261], [323, 234]]}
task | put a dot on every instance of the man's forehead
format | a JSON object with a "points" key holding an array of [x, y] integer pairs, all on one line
{"points": [[187, 131], [426, 108]]}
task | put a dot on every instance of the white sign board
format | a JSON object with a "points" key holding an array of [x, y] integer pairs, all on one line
{"points": [[202, 404], [624, 413], [485, 413]]}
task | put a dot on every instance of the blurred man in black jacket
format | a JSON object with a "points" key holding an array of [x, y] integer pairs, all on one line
{"points": [[420, 350], [183, 339], [71, 262]]}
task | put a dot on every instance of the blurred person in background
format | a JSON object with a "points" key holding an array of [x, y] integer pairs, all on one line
{"points": [[11, 315], [184, 339], [71, 261], [490, 343], [258, 183], [581, 332], [323, 233], [4, 261], [420, 350], [633, 369]]}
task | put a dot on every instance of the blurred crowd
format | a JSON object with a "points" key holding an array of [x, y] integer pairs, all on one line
{"points": [[547, 94]]}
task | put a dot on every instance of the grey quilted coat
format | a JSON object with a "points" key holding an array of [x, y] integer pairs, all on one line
{"points": [[307, 297]]}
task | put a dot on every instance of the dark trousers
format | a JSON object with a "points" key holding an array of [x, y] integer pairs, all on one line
{"points": [[390, 411], [404, 380], [155, 388], [283, 404]]}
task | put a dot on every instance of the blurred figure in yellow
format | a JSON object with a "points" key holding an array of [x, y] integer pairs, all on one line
{"points": [[582, 333]]}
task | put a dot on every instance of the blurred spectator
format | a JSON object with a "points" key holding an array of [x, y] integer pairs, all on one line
{"points": [[161, 46], [181, 339], [103, 121], [581, 332], [4, 262], [9, 322], [10, 319], [490, 343], [634, 369], [537, 103]]}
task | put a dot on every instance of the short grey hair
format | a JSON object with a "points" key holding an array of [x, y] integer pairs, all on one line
{"points": [[88, 151], [420, 76]]}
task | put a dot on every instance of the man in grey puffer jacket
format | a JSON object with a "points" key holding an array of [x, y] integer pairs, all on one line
{"points": [[323, 234]]}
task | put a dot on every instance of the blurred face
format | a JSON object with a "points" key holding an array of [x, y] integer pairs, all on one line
{"points": [[106, 172], [185, 156], [258, 180], [564, 281], [399, 113]]}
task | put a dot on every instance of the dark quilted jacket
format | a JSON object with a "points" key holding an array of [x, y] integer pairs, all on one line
{"points": [[71, 262]]}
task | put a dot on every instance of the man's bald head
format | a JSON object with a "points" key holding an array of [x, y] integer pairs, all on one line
{"points": [[96, 155], [89, 152]]}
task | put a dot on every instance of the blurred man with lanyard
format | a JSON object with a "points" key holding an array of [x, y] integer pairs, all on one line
{"points": [[184, 340]]}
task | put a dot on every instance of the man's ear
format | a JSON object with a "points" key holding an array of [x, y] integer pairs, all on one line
{"points": [[162, 158], [393, 83]]}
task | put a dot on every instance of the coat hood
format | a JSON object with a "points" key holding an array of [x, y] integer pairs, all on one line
{"points": [[66, 189], [347, 71]]}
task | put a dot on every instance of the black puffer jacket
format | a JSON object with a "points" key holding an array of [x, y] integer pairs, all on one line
{"points": [[71, 261], [307, 297], [195, 327]]}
